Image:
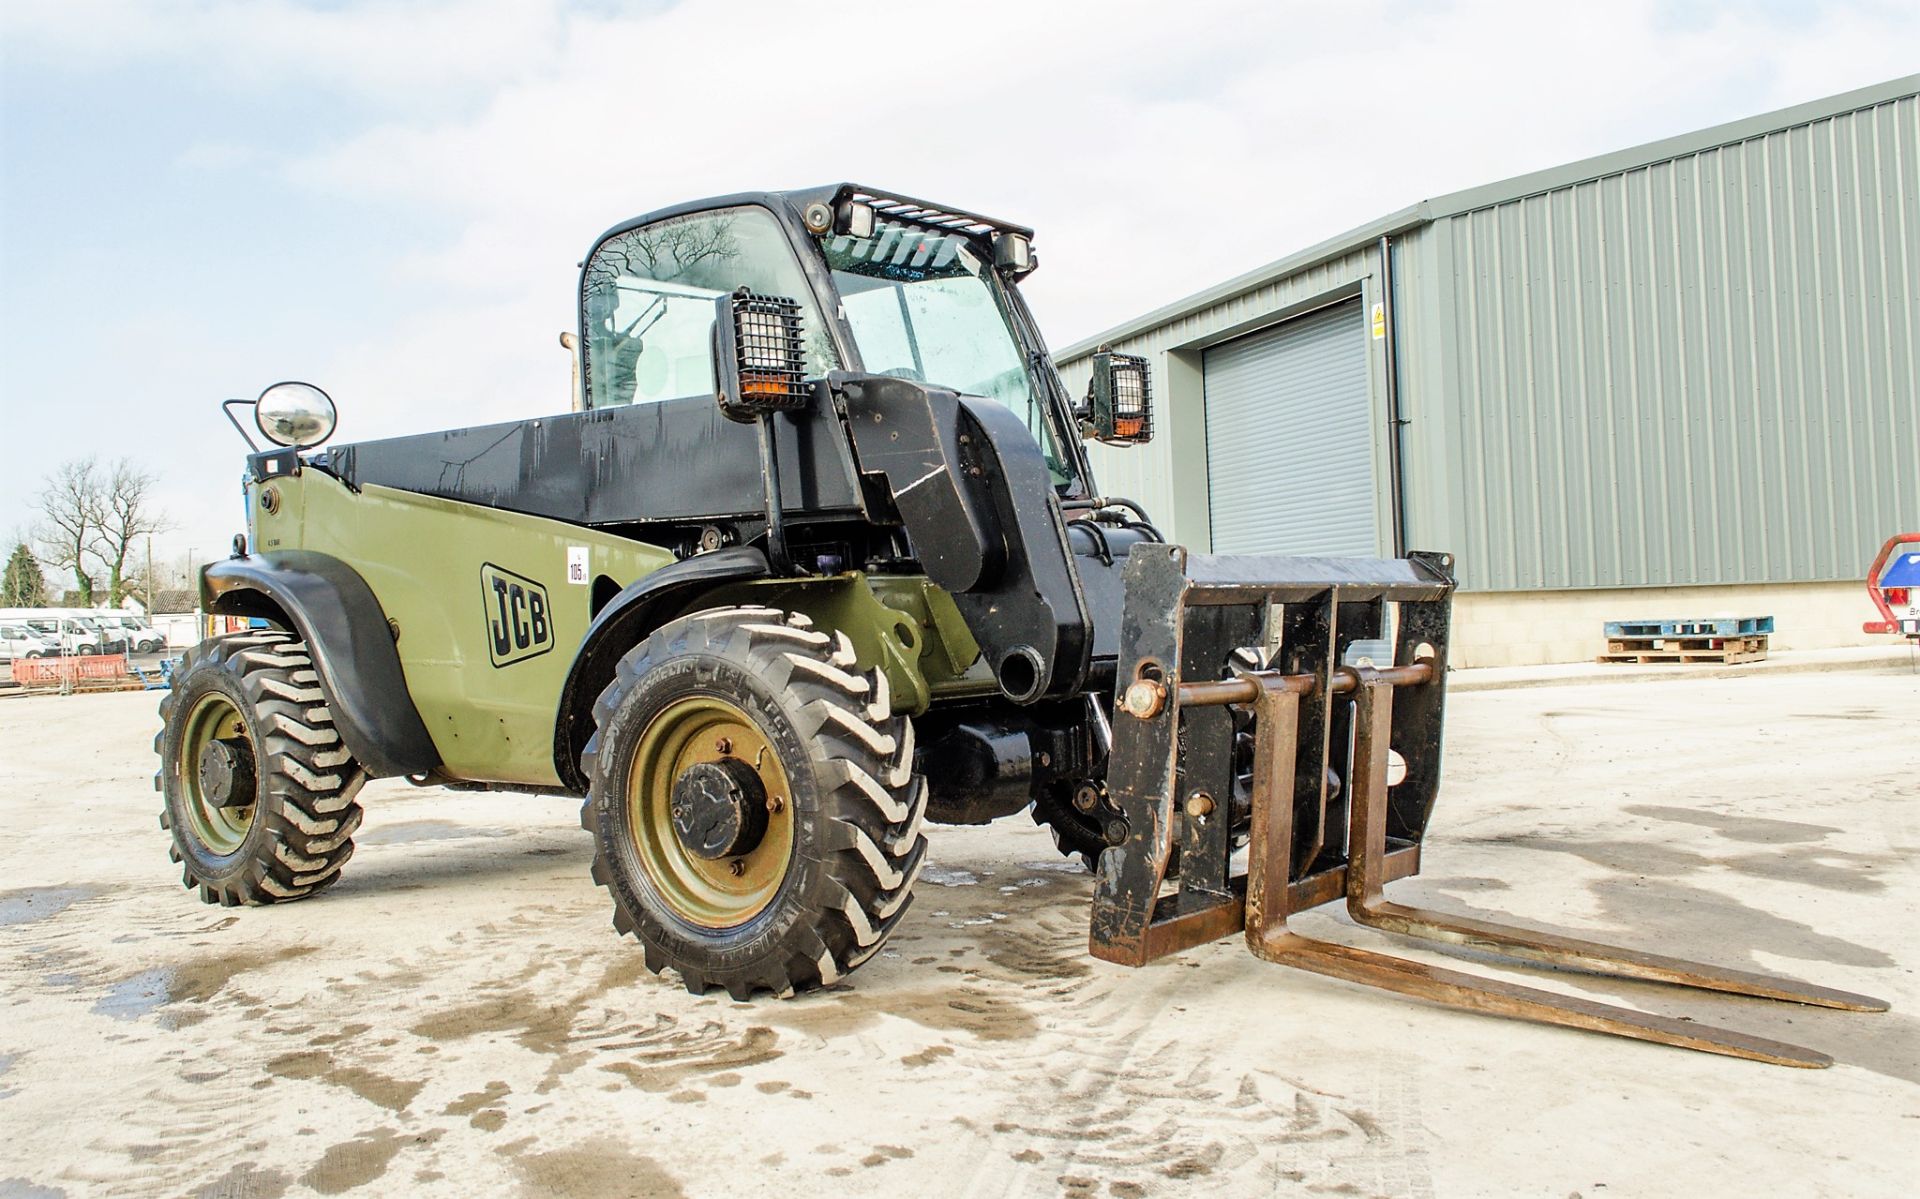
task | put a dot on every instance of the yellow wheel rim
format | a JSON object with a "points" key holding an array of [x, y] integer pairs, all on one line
{"points": [[712, 893], [221, 830]]}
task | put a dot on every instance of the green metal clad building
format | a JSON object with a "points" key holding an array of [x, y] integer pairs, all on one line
{"points": [[1677, 380]]}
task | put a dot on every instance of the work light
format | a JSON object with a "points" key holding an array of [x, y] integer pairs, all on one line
{"points": [[759, 358], [1120, 399]]}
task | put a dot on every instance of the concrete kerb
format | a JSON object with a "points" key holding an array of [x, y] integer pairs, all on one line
{"points": [[1875, 659]]}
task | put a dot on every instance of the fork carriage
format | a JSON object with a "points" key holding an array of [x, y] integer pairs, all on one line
{"points": [[1328, 821]]}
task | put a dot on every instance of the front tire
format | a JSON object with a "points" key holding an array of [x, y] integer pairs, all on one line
{"points": [[752, 799], [258, 788]]}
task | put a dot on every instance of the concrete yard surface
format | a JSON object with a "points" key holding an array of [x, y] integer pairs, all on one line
{"points": [[458, 1017]]}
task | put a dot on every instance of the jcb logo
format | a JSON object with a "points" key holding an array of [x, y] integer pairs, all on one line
{"points": [[519, 618]]}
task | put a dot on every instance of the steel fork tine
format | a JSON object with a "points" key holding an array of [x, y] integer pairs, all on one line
{"points": [[1367, 904], [1493, 996], [1270, 851]]}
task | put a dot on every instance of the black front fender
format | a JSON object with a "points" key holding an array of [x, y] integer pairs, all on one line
{"points": [[333, 610]]}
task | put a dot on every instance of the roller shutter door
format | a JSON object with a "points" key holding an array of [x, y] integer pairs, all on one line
{"points": [[1290, 441]]}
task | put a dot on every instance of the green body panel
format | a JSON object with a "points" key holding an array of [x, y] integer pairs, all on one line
{"points": [[424, 557], [901, 623], [433, 564]]}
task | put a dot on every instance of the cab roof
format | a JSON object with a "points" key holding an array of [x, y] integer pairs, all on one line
{"points": [[792, 203]]}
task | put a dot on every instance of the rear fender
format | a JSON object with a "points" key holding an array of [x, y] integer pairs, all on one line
{"points": [[333, 610]]}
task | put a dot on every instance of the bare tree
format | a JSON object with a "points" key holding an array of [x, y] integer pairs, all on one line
{"points": [[675, 251], [69, 520], [125, 513], [665, 252]]}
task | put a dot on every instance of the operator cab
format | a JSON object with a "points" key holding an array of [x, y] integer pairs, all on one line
{"points": [[879, 286], [885, 285]]}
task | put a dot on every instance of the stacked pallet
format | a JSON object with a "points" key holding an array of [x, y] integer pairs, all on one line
{"points": [[1726, 640]]}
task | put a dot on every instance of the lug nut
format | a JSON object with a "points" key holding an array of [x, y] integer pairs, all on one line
{"points": [[775, 804], [723, 745], [737, 867]]}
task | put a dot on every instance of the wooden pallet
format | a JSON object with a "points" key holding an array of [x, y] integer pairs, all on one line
{"points": [[1725, 651]]}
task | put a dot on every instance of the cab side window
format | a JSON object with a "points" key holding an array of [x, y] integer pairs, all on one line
{"points": [[649, 302]]}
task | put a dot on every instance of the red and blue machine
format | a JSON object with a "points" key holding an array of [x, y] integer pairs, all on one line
{"points": [[1893, 583]]}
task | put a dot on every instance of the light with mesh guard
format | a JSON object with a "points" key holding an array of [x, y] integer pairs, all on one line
{"points": [[759, 358], [1119, 407]]}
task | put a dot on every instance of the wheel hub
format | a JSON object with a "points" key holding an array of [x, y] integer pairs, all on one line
{"points": [[719, 808], [226, 771], [711, 811]]}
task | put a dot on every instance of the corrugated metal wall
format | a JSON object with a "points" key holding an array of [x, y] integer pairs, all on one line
{"points": [[1706, 370], [1694, 366]]}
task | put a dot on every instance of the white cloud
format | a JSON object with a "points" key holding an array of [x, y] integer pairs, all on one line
{"points": [[1157, 148]]}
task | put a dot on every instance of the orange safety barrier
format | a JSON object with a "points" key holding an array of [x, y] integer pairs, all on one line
{"points": [[110, 668]]}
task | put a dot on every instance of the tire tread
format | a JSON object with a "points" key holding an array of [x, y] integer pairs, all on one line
{"points": [[873, 804], [309, 781]]}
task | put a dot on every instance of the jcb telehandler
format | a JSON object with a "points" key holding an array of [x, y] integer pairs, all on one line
{"points": [[816, 558]]}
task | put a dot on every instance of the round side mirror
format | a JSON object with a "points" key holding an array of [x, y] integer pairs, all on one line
{"points": [[295, 414]]}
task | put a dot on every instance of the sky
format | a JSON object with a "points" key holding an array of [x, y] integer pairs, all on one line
{"points": [[390, 199]]}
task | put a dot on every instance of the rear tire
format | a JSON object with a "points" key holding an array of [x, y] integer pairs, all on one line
{"points": [[827, 880], [254, 698]]}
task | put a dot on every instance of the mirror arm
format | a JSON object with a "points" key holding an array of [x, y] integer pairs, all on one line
{"points": [[226, 406]]}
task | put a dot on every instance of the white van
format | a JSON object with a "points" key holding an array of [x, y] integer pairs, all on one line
{"points": [[142, 637], [133, 631], [73, 630], [21, 641], [108, 636], [74, 635]]}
